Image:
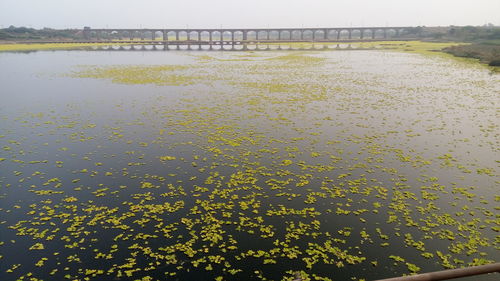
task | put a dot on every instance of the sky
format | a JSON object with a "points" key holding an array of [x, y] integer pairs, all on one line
{"points": [[245, 14]]}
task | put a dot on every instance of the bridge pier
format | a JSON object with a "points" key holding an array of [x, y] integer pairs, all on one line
{"points": [[86, 33]]}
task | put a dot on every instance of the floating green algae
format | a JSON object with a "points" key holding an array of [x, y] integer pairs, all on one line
{"points": [[294, 167]]}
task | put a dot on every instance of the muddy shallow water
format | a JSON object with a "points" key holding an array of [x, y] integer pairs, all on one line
{"points": [[346, 165]]}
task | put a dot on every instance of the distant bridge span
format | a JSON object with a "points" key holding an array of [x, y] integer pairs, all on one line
{"points": [[246, 35]]}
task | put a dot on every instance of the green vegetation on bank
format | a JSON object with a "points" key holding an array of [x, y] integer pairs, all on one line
{"points": [[463, 33], [484, 52], [13, 33]]}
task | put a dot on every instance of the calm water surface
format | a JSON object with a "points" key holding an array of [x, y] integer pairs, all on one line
{"points": [[143, 165]]}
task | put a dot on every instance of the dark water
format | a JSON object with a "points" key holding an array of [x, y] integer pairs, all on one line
{"points": [[356, 163]]}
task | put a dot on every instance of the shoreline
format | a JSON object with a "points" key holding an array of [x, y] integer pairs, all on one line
{"points": [[462, 51]]}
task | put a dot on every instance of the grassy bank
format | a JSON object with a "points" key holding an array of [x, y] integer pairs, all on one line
{"points": [[487, 52]]}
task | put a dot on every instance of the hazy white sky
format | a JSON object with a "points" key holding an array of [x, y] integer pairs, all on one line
{"points": [[251, 13]]}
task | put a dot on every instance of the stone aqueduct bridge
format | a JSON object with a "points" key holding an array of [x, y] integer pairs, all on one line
{"points": [[242, 36]]}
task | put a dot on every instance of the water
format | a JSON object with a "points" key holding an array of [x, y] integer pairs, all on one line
{"points": [[346, 165]]}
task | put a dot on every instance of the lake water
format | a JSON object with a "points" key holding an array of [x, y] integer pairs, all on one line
{"points": [[160, 165]]}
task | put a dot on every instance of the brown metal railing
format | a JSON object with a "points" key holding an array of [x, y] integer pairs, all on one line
{"points": [[450, 273]]}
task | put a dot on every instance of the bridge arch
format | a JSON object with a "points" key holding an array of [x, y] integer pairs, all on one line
{"points": [[307, 34], [344, 34], [227, 35], [251, 35], [193, 35], [216, 35], [355, 34], [205, 35], [319, 35], [391, 33], [238, 35], [274, 35], [332, 34], [367, 33], [285, 35], [158, 34], [296, 35], [182, 35], [170, 35], [378, 33], [262, 35]]}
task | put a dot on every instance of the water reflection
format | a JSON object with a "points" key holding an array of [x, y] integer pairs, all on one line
{"points": [[229, 47]]}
